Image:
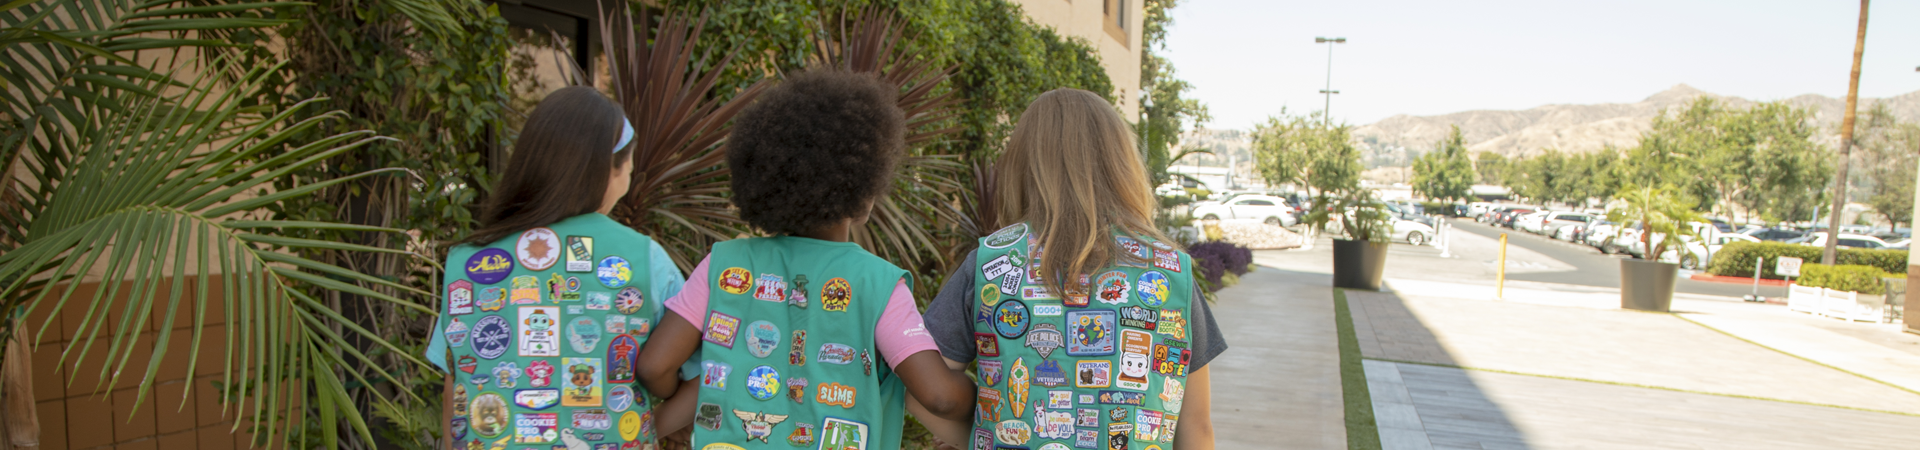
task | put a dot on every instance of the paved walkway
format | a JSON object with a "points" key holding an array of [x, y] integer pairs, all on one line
{"points": [[1279, 384]]}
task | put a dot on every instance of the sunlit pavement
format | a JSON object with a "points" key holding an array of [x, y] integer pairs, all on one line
{"points": [[1556, 365]]}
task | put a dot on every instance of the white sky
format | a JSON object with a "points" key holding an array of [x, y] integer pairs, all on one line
{"points": [[1249, 58]]}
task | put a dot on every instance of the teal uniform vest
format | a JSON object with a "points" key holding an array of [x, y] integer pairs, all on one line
{"points": [[788, 359], [544, 327], [1100, 369]]}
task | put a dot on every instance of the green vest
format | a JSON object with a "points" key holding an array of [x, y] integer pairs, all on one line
{"points": [[788, 358], [544, 327], [1101, 369]]}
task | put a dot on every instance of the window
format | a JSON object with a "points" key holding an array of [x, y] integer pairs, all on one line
{"points": [[1860, 243], [1114, 13], [1256, 203]]}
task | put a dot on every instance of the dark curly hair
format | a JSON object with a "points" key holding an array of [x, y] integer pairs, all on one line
{"points": [[814, 150]]}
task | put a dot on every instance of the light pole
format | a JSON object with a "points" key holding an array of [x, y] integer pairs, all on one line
{"points": [[1327, 109]]}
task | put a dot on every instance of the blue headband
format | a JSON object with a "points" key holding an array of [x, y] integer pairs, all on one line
{"points": [[626, 136]]}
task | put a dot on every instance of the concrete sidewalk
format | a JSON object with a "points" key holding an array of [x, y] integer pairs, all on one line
{"points": [[1279, 384]]}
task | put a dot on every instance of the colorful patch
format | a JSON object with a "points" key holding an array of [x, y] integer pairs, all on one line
{"points": [[621, 353], [990, 295], [1117, 437], [506, 374], [736, 280], [459, 427], [1146, 425], [619, 398], [636, 426], [613, 272], [492, 299], [1135, 349], [1011, 319], [583, 334], [1044, 338], [1172, 394], [763, 383], [982, 439], [467, 363], [1153, 289], [1173, 323], [770, 288], [526, 290], [797, 350], [592, 419], [762, 338], [1059, 399], [998, 268], [1037, 292], [579, 253], [1093, 374], [561, 290], [540, 373], [713, 374], [536, 428], [986, 344], [866, 362], [1139, 317], [491, 337], [1128, 398], [1087, 439], [1087, 417], [1006, 236], [1014, 432], [1017, 385], [460, 400], [1049, 374], [991, 371], [1169, 423], [831, 393], [836, 295], [489, 266], [986, 407], [721, 329], [1170, 357], [538, 249], [797, 296], [599, 301], [801, 436], [629, 301], [536, 399], [832, 353], [490, 416], [842, 434], [1054, 425], [1134, 247], [638, 327], [1167, 259], [707, 415], [539, 331], [1076, 293], [1113, 287], [758, 425], [456, 333], [797, 390], [460, 297], [583, 382], [1090, 332]]}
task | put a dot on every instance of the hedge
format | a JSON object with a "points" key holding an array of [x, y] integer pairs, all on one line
{"points": [[1736, 259], [1862, 279]]}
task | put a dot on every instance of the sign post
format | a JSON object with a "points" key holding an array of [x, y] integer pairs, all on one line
{"points": [[1500, 277]]}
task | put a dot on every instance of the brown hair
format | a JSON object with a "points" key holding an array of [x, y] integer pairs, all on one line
{"points": [[559, 167], [1070, 171]]}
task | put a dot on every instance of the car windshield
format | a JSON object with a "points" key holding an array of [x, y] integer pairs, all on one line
{"points": [[1801, 239]]}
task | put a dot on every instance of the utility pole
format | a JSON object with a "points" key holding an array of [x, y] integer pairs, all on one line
{"points": [[1831, 253], [1326, 110]]}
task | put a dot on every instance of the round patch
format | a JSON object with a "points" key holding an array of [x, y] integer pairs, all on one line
{"points": [[1112, 287], [614, 272], [736, 280], [619, 398], [990, 294], [763, 383], [1011, 320], [1007, 236], [629, 300], [1152, 289], [489, 415], [630, 425], [538, 249], [491, 337], [489, 266], [762, 338], [573, 284], [583, 333]]}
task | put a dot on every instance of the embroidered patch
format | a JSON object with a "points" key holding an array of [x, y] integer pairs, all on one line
{"points": [[801, 436], [1135, 349], [491, 337], [507, 374], [1086, 438], [1087, 417], [583, 334], [1113, 287], [540, 374], [526, 290], [1032, 292], [797, 390], [836, 295], [982, 439], [797, 350], [583, 382], [1139, 317], [991, 371], [1123, 398], [536, 399], [736, 280], [591, 419], [1153, 289], [986, 344], [763, 383], [467, 363], [998, 268], [459, 400], [990, 295], [490, 416], [1172, 323], [843, 434], [1076, 293], [758, 425], [1169, 423], [1170, 357], [1166, 259], [536, 428], [707, 415], [831, 353], [866, 362], [770, 288], [1049, 374], [714, 374], [1013, 432], [1017, 384], [1172, 393], [1010, 319], [1054, 425], [539, 331], [1146, 425], [621, 353], [1133, 247], [489, 266], [560, 289], [456, 333], [460, 297], [579, 254], [619, 398], [1093, 374], [1117, 435], [1090, 332], [986, 407], [797, 296], [1059, 399], [1007, 236], [459, 427], [492, 299], [1044, 338], [538, 249], [762, 338], [831, 393], [613, 272], [721, 329]]}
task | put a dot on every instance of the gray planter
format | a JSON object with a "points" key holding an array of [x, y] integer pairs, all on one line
{"points": [[1647, 285], [1358, 264]]}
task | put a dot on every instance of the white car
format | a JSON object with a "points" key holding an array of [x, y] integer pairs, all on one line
{"points": [[1262, 208], [1552, 223], [1599, 236], [1819, 239], [1698, 256], [1475, 209], [1530, 221], [1411, 232]]}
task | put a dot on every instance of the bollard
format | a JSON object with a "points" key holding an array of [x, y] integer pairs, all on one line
{"points": [[1755, 297], [1500, 277]]}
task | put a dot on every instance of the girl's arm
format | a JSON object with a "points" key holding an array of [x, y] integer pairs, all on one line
{"points": [[942, 391], [666, 349], [677, 412], [948, 431], [1195, 430]]}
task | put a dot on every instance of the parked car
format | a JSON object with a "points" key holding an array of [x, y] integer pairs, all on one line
{"points": [[1551, 223], [1693, 255], [1412, 212], [1263, 208], [1846, 241], [1411, 232], [1771, 234], [1599, 234], [1899, 244], [1476, 209], [1530, 221]]}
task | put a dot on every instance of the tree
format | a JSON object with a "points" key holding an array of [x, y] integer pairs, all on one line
{"points": [[1445, 173], [1491, 168], [1659, 212], [1165, 112], [1306, 151], [1893, 148], [1828, 255]]}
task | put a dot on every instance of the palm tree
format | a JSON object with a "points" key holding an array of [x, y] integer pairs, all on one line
{"points": [[139, 155], [1846, 141]]}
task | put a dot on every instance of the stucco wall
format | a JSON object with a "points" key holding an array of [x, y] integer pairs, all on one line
{"points": [[1084, 19]]}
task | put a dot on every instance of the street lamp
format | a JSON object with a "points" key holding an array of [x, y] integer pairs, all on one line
{"points": [[1327, 108]]}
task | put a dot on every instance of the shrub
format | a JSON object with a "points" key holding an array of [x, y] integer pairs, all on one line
{"points": [[1855, 278], [1736, 259], [1213, 259]]}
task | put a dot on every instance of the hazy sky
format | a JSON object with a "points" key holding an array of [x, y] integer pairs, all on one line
{"points": [[1249, 58]]}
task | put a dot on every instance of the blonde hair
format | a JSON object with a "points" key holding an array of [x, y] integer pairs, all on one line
{"points": [[1071, 171]]}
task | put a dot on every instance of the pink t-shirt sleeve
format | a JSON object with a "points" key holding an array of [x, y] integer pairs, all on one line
{"points": [[691, 303], [901, 333]]}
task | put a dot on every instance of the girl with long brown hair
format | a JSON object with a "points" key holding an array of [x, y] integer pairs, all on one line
{"points": [[1078, 312]]}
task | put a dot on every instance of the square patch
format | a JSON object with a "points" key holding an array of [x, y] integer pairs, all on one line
{"points": [[721, 329]]}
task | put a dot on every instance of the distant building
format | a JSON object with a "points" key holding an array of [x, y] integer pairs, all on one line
{"points": [[1112, 27], [1212, 178]]}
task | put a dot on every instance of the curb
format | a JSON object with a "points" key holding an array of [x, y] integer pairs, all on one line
{"points": [[1736, 280]]}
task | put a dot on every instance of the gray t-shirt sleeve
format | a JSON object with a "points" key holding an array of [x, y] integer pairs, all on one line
{"points": [[950, 319]]}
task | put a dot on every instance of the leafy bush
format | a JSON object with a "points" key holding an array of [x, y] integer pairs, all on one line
{"points": [[1855, 278], [1736, 259], [1214, 259]]}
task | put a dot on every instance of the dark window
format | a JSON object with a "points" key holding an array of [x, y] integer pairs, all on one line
{"points": [[1256, 203]]}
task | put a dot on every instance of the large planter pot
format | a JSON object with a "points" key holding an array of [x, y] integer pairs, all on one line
{"points": [[1647, 285], [1358, 264]]}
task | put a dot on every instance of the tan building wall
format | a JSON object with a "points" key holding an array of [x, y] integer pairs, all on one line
{"points": [[1117, 39]]}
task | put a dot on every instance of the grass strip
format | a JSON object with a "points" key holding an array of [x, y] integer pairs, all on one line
{"points": [[1362, 432], [1802, 358], [1646, 386]]}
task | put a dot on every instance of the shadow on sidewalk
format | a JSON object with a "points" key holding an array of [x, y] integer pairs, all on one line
{"points": [[1418, 405]]}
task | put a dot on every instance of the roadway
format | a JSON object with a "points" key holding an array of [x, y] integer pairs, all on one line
{"points": [[1590, 267]]}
